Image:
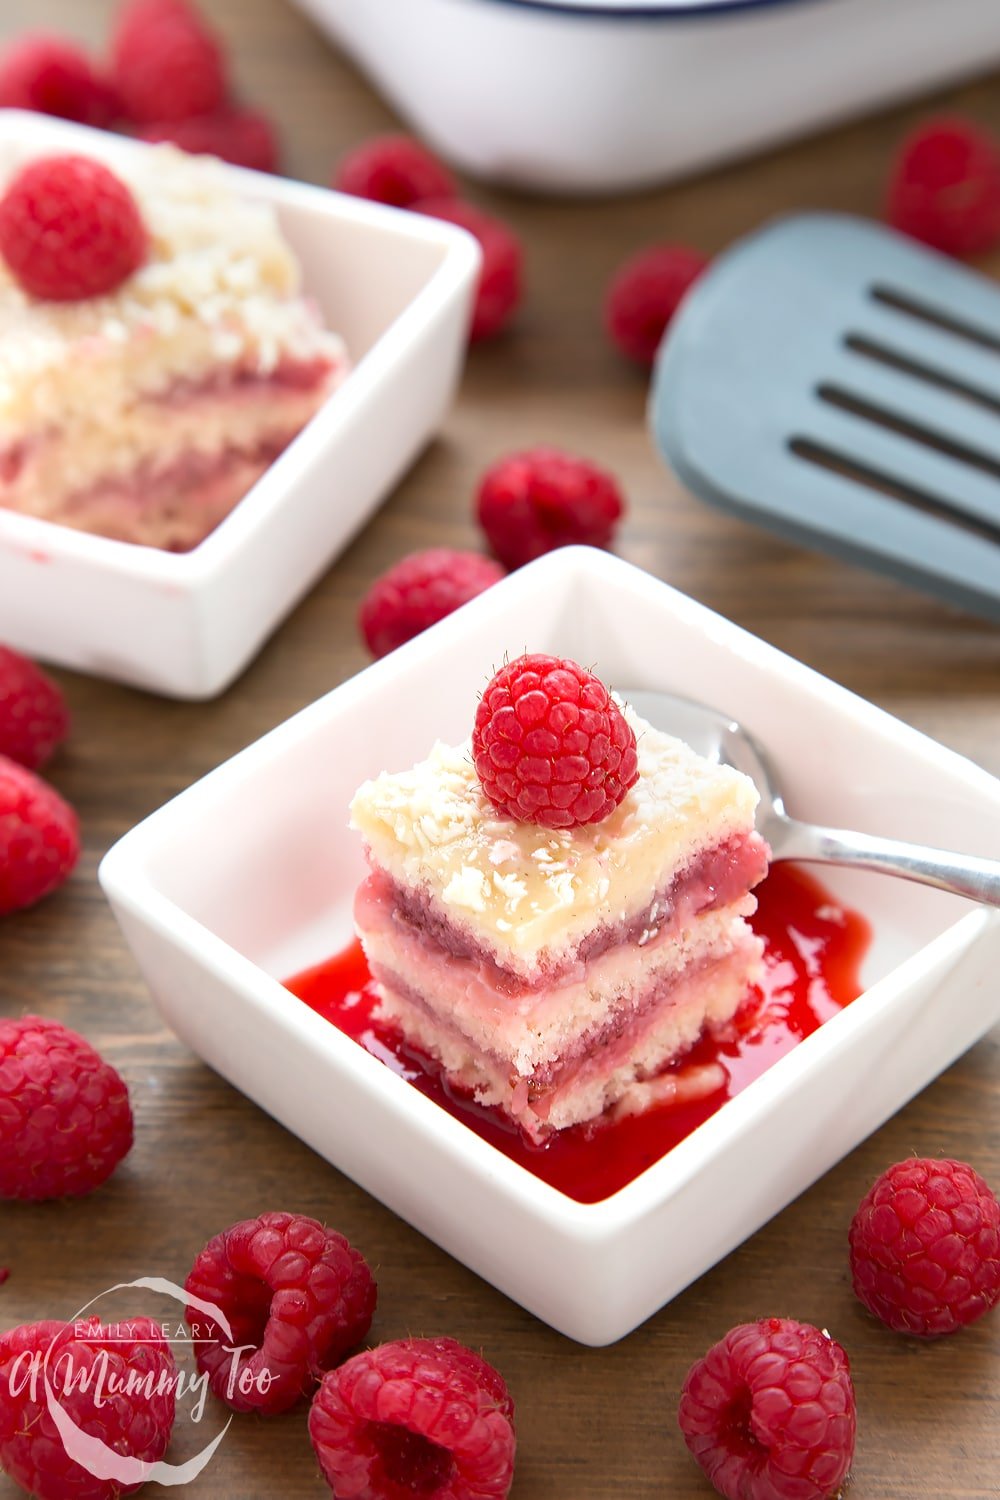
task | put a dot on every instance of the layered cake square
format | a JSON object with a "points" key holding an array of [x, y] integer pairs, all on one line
{"points": [[559, 973], [146, 413]]}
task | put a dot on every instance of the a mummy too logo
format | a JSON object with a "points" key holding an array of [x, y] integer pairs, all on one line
{"points": [[70, 1375]]}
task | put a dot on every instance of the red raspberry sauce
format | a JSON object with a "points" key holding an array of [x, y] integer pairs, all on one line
{"points": [[813, 952]]}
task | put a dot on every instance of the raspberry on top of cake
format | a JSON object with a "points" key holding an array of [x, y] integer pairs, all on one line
{"points": [[556, 912], [144, 409]]}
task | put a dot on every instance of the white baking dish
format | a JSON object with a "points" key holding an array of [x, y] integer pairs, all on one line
{"points": [[248, 878], [605, 95], [398, 288]]}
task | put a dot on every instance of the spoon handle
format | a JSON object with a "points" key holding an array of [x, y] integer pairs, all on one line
{"points": [[962, 874]]}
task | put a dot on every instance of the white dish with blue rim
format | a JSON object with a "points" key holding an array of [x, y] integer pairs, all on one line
{"points": [[607, 95]]}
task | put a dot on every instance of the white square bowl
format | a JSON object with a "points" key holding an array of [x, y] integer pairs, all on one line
{"points": [[248, 877], [398, 288]]}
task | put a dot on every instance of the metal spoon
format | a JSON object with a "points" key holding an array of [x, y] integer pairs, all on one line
{"points": [[725, 742]]}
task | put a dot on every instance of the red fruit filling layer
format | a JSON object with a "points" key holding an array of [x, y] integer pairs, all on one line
{"points": [[714, 879], [195, 475], [236, 384], [607, 1045], [813, 950], [289, 375]]}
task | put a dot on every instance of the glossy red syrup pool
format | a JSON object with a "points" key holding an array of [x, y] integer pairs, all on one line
{"points": [[813, 952]]}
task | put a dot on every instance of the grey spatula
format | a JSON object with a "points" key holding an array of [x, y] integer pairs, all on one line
{"points": [[840, 384]]}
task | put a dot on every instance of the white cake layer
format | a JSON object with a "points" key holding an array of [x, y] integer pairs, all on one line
{"points": [[616, 1077], [181, 515], [527, 893], [529, 1029], [220, 289]]}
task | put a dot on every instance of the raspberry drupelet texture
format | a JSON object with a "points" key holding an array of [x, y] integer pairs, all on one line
{"points": [[418, 591], [532, 502], [166, 64], [945, 187], [70, 229], [65, 1117], [299, 1293], [34, 719], [643, 296], [421, 1417], [550, 744], [117, 1384], [925, 1247], [245, 137], [39, 838], [501, 275], [769, 1413], [393, 169], [52, 76]]}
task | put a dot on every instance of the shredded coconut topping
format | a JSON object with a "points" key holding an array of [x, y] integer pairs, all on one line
{"points": [[220, 287]]}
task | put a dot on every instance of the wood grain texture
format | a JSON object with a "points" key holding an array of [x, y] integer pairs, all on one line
{"points": [[592, 1424]]}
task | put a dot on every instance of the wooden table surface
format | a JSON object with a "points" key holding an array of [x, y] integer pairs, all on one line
{"points": [[592, 1423]]}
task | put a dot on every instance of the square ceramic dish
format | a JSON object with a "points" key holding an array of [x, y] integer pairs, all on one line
{"points": [[398, 288], [248, 877], [607, 95]]}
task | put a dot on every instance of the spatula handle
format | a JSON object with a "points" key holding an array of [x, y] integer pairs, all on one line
{"points": [[962, 874]]}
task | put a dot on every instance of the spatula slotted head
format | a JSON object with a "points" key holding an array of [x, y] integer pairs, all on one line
{"points": [[840, 384]]}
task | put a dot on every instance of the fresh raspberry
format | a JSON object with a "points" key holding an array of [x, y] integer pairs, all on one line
{"points": [[39, 838], [245, 137], [393, 169], [65, 1119], [166, 63], [299, 1293], [769, 1412], [485, 1375], [945, 187], [498, 292], [530, 503], [418, 591], [46, 73], [550, 744], [643, 296], [69, 229], [416, 1417], [117, 1383], [925, 1247], [34, 718]]}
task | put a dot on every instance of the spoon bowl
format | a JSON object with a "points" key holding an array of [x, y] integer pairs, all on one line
{"points": [[723, 741]]}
